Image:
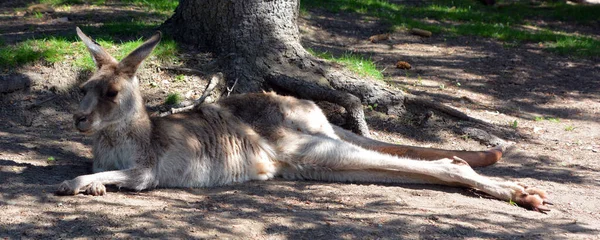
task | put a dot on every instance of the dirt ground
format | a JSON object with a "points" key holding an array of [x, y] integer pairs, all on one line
{"points": [[484, 78]]}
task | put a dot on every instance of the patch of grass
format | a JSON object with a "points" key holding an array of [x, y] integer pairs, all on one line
{"points": [[56, 49], [166, 51], [553, 119], [173, 98], [514, 124], [179, 78], [157, 5], [549, 119], [513, 23], [152, 5], [569, 128], [356, 63], [38, 15], [62, 2], [372, 107], [51, 49]]}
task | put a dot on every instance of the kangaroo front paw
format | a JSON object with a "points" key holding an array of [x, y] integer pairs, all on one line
{"points": [[67, 188], [96, 189], [533, 198]]}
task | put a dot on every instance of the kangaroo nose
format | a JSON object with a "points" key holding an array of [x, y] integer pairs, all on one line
{"points": [[79, 117], [83, 122]]}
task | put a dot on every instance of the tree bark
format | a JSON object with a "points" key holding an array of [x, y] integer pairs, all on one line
{"points": [[253, 34], [258, 44]]}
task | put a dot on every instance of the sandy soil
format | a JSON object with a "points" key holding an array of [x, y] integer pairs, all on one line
{"points": [[481, 77]]}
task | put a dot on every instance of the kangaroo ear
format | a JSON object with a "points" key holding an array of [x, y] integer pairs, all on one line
{"points": [[130, 64], [99, 55]]}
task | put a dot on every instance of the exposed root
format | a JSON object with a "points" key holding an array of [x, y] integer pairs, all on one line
{"points": [[411, 99], [313, 91]]}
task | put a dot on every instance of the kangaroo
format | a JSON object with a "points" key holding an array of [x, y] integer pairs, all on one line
{"points": [[246, 137]]}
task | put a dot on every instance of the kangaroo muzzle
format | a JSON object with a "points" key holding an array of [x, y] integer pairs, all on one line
{"points": [[83, 122]]}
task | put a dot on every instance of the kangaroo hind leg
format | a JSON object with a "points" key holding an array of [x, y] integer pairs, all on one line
{"points": [[322, 158], [474, 158]]}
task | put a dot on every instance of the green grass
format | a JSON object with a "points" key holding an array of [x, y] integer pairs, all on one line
{"points": [[514, 124], [153, 5], [57, 49], [510, 23], [356, 63], [553, 119], [549, 119], [51, 49], [62, 2], [119, 38], [157, 5], [173, 98], [179, 78]]}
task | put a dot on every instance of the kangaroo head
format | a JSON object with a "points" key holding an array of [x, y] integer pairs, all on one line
{"points": [[112, 94]]}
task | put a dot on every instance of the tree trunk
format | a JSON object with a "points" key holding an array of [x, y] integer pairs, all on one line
{"points": [[258, 45]]}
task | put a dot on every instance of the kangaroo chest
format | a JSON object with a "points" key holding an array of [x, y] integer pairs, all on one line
{"points": [[111, 154]]}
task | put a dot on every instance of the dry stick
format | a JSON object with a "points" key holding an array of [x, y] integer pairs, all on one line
{"points": [[476, 133], [229, 90], [182, 69], [212, 84], [39, 103], [443, 108]]}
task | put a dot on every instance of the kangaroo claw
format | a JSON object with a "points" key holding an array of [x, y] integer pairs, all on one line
{"points": [[533, 198]]}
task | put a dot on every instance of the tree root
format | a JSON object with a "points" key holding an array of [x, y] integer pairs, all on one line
{"points": [[411, 99], [308, 90]]}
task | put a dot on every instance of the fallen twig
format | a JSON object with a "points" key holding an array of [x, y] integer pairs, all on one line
{"points": [[39, 103], [212, 84], [229, 90], [182, 69], [443, 108]]}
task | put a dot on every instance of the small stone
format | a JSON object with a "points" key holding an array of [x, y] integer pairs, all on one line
{"points": [[379, 37], [403, 65]]}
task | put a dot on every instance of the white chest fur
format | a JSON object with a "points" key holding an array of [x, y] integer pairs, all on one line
{"points": [[114, 155]]}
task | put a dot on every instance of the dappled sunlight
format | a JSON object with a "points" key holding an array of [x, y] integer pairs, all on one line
{"points": [[547, 103], [282, 209]]}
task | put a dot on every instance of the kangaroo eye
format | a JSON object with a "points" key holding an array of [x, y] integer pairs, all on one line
{"points": [[111, 93]]}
